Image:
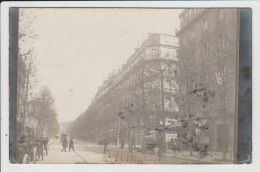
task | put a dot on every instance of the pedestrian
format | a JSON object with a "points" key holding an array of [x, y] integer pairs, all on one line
{"points": [[161, 145], [64, 144], [122, 137], [175, 146], [105, 140], [131, 144], [71, 144], [171, 144], [134, 143], [179, 143], [122, 143]]}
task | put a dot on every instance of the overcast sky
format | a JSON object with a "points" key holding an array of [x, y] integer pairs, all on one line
{"points": [[76, 49]]}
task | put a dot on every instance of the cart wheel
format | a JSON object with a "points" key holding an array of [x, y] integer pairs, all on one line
{"points": [[34, 155], [25, 159]]}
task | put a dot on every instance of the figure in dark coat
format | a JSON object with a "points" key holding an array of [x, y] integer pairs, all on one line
{"points": [[71, 144], [64, 144], [161, 145], [106, 142]]}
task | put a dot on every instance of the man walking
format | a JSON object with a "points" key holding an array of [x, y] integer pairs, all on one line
{"points": [[106, 143], [161, 145], [64, 144], [71, 144], [131, 144]]}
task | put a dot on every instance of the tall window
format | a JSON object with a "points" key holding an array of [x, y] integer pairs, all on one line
{"points": [[192, 57], [205, 52], [154, 53], [167, 84], [221, 15], [183, 40], [204, 25], [182, 19], [220, 75], [187, 16], [206, 77], [195, 11], [190, 13], [192, 107], [167, 54], [220, 102], [222, 40], [183, 89], [192, 34]]}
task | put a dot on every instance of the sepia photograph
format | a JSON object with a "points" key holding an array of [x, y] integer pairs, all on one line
{"points": [[125, 85]]}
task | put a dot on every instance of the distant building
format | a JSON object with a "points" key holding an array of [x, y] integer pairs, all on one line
{"points": [[208, 58], [63, 127], [139, 97]]}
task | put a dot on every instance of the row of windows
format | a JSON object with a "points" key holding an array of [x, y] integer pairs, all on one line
{"points": [[202, 53], [193, 57], [191, 13], [216, 76], [170, 104], [169, 84], [222, 104], [216, 103], [207, 78], [190, 34]]}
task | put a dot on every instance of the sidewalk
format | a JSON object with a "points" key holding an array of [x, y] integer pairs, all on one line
{"points": [[171, 157], [119, 155], [210, 157], [55, 156]]}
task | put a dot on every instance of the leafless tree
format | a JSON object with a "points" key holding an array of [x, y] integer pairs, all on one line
{"points": [[26, 38], [46, 113]]}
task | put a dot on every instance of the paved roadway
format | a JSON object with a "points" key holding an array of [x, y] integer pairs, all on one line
{"points": [[86, 153]]}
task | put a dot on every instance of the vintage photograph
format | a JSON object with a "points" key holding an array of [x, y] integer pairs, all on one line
{"points": [[126, 86]]}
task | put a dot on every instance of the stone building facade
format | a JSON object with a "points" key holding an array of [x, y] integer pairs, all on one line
{"points": [[208, 58], [137, 98]]}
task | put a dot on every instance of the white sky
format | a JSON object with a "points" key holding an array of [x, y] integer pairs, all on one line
{"points": [[78, 48]]}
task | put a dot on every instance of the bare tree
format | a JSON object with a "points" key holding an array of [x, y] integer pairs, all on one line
{"points": [[45, 113], [26, 38]]}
